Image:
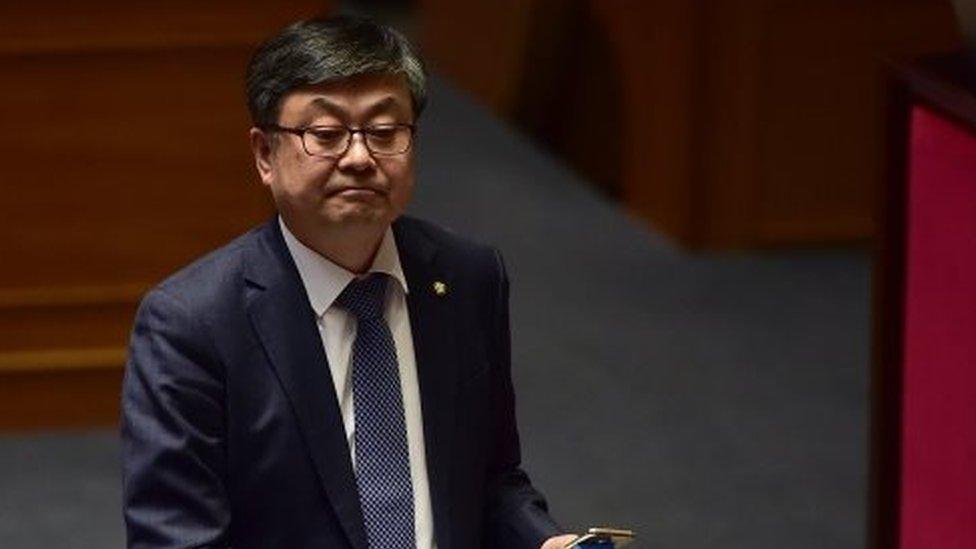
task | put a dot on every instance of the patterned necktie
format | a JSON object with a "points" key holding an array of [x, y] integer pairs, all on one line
{"points": [[382, 458]]}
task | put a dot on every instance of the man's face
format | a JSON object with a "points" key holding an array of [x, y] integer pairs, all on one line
{"points": [[356, 188]]}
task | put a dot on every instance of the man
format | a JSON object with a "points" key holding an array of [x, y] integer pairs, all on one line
{"points": [[338, 377]]}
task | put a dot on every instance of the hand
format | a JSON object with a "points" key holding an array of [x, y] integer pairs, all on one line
{"points": [[558, 542]]}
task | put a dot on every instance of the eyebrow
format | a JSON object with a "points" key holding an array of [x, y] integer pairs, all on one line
{"points": [[388, 103]]}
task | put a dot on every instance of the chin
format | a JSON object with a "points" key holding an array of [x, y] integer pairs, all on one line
{"points": [[362, 216]]}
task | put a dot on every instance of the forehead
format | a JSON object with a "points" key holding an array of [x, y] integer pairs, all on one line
{"points": [[349, 100]]}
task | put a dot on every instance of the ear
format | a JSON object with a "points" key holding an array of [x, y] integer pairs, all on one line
{"points": [[263, 150]]}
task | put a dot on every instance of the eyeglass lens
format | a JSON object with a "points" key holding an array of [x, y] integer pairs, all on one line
{"points": [[335, 140]]}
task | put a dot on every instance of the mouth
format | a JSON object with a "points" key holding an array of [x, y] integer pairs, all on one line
{"points": [[356, 192]]}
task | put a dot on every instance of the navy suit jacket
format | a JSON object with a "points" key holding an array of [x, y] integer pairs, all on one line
{"points": [[231, 430]]}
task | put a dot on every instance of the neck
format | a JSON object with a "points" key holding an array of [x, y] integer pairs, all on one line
{"points": [[351, 247]]}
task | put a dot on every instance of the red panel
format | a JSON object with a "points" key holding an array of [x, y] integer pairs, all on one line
{"points": [[938, 504]]}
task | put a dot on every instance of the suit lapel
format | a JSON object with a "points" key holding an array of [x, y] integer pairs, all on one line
{"points": [[435, 348], [284, 320]]}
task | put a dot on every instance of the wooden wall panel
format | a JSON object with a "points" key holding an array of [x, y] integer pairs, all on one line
{"points": [[126, 156], [657, 119], [139, 162], [821, 101], [69, 26], [480, 44], [59, 320], [730, 123], [725, 151], [43, 398]]}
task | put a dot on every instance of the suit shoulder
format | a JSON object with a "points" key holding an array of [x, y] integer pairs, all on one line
{"points": [[209, 278]]}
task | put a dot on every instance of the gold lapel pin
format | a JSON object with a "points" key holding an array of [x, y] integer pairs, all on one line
{"points": [[440, 288]]}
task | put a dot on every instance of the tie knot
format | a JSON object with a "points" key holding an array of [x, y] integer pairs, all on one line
{"points": [[364, 297]]}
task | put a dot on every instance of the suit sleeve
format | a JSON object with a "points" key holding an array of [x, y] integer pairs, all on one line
{"points": [[517, 513], [173, 451]]}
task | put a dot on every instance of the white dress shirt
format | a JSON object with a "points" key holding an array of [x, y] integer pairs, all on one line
{"points": [[324, 281]]}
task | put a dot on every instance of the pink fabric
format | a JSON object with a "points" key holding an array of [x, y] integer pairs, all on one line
{"points": [[939, 402]]}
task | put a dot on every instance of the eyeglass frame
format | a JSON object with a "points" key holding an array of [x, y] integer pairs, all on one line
{"points": [[350, 132]]}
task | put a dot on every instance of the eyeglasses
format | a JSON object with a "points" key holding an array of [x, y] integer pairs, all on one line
{"points": [[334, 141]]}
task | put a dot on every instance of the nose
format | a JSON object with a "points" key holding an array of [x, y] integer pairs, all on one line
{"points": [[357, 157]]}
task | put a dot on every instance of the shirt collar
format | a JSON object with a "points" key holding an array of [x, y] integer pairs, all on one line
{"points": [[324, 280]]}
